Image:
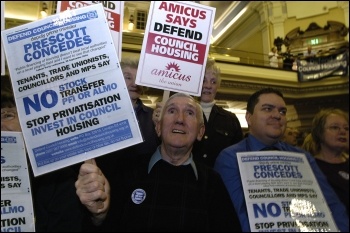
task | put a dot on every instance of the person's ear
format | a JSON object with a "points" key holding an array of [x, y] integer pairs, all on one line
{"points": [[201, 132], [247, 117], [158, 128]]}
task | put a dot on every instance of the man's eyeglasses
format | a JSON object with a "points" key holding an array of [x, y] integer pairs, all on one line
{"points": [[335, 128]]}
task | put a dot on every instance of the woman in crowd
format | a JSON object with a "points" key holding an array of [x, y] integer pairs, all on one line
{"points": [[328, 142], [222, 127]]}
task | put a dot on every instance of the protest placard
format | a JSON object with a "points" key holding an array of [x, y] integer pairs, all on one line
{"points": [[282, 193], [175, 46], [70, 92], [16, 197], [114, 11], [2, 28]]}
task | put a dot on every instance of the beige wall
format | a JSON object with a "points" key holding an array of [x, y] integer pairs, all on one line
{"points": [[336, 14], [302, 13], [253, 43]]}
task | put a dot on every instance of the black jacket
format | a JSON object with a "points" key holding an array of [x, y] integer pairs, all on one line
{"points": [[146, 148], [222, 130], [167, 199]]}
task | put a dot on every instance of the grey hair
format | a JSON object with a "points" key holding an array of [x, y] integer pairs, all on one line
{"points": [[211, 65], [132, 62], [199, 111]]}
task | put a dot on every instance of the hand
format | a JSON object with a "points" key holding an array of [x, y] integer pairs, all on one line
{"points": [[93, 190]]}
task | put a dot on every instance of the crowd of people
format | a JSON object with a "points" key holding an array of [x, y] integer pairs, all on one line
{"points": [[185, 176], [266, 118], [287, 60]]}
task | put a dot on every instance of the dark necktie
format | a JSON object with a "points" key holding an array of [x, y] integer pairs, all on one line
{"points": [[269, 148]]}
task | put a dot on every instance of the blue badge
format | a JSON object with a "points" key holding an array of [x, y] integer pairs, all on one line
{"points": [[138, 196]]}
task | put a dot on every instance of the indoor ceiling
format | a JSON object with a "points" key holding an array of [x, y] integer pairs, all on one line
{"points": [[226, 16]]}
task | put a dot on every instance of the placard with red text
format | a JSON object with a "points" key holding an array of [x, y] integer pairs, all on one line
{"points": [[114, 11], [175, 46]]}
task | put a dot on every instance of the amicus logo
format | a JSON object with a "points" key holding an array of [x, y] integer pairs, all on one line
{"points": [[172, 71], [173, 67]]}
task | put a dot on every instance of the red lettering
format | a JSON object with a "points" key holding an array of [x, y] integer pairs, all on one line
{"points": [[179, 9], [180, 20]]}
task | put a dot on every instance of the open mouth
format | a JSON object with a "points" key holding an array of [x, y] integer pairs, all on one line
{"points": [[178, 131]]}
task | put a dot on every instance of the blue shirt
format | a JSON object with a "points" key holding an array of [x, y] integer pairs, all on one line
{"points": [[227, 165]]}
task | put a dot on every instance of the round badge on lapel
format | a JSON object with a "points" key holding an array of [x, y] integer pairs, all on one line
{"points": [[138, 196]]}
